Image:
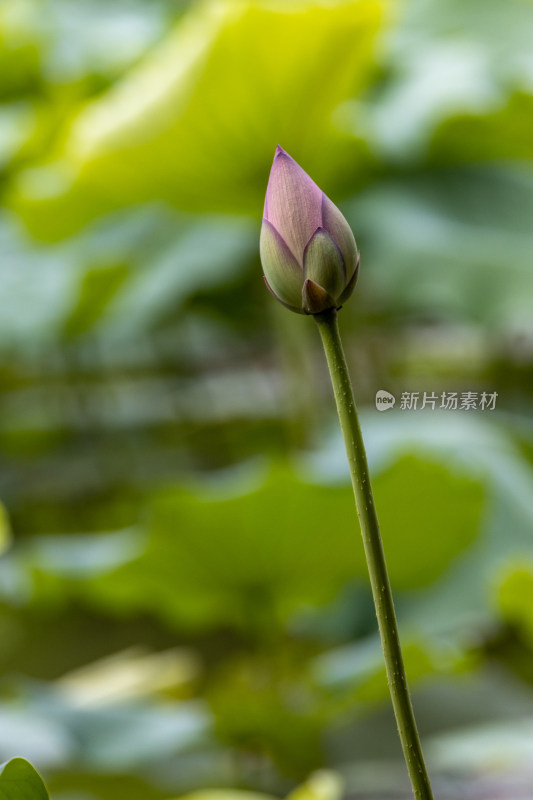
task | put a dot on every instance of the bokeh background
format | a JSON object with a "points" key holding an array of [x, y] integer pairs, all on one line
{"points": [[183, 595]]}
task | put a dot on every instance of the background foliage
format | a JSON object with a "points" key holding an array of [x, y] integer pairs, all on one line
{"points": [[183, 596]]}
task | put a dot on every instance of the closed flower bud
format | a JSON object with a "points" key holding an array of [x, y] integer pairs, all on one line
{"points": [[308, 250]]}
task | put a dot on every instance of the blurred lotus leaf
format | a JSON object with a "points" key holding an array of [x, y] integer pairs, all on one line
{"points": [[5, 531], [167, 132], [99, 285], [131, 674], [494, 135], [53, 728], [409, 494], [321, 785], [249, 556], [20, 50], [439, 241], [257, 556], [515, 595], [269, 705], [20, 781], [355, 673], [226, 794]]}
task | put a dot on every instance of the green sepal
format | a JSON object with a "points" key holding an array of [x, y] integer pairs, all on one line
{"points": [[341, 233], [324, 264], [282, 271], [283, 303], [351, 285], [315, 299]]}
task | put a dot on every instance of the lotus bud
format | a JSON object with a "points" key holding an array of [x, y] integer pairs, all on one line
{"points": [[308, 250]]}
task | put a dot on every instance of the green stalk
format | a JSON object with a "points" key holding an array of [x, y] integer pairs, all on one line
{"points": [[375, 556]]}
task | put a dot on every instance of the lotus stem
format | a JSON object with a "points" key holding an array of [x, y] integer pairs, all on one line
{"points": [[375, 556]]}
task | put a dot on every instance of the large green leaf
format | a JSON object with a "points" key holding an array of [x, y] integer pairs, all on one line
{"points": [[461, 601], [428, 514], [245, 555], [20, 781], [252, 557], [196, 123]]}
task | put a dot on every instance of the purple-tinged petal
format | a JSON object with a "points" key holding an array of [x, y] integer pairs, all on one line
{"points": [[284, 274], [293, 203], [323, 263], [341, 233], [273, 293], [351, 284], [315, 299]]}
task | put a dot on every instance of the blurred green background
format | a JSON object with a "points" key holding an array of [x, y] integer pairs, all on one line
{"points": [[183, 596]]}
